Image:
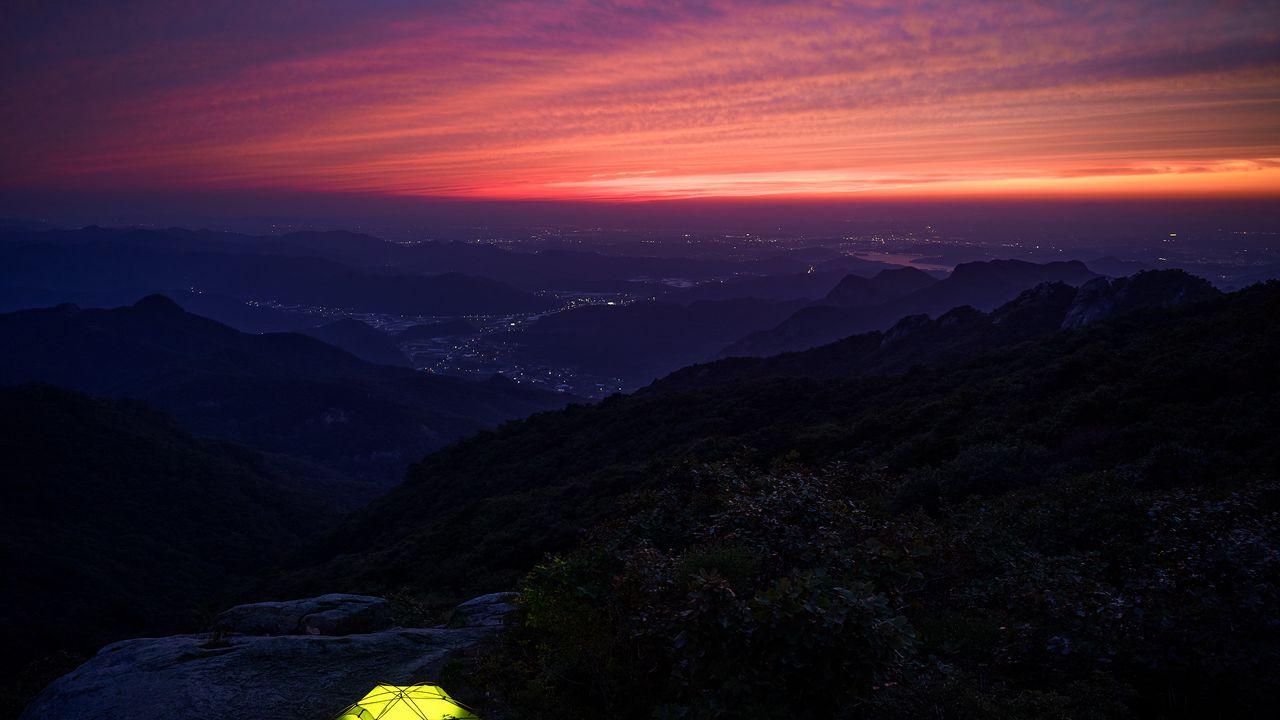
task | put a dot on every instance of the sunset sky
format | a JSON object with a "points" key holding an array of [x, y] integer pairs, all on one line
{"points": [[642, 100]]}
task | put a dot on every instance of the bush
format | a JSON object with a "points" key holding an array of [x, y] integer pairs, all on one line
{"points": [[778, 598]]}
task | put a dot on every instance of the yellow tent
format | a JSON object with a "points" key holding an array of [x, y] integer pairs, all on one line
{"points": [[408, 702]]}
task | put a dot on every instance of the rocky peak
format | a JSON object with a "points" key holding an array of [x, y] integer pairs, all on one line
{"points": [[157, 303], [1100, 298], [1039, 309], [1021, 272], [1160, 288], [854, 290], [1093, 302], [962, 315], [484, 611], [905, 327]]}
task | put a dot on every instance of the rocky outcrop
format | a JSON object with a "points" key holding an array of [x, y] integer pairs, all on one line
{"points": [[325, 615], [304, 659], [1092, 303], [485, 611], [1101, 298]]}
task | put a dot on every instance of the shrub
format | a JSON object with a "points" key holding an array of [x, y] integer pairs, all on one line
{"points": [[779, 597]]}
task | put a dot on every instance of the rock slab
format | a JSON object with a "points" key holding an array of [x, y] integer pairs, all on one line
{"points": [[295, 675], [334, 614], [484, 611]]}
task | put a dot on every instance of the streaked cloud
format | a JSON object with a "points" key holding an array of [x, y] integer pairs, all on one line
{"points": [[622, 99]]}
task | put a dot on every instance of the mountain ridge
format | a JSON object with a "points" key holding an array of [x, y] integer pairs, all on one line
{"points": [[918, 340], [982, 285], [279, 392]]}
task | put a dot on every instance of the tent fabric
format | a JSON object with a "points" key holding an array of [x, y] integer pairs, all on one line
{"points": [[407, 702]]}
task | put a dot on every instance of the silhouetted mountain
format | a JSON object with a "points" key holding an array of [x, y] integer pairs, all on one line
{"points": [[120, 262], [241, 315], [982, 285], [361, 340], [644, 340], [121, 523], [1100, 298], [1263, 274], [1089, 509], [335, 244], [917, 340], [562, 268], [227, 310], [807, 285], [278, 392], [528, 268], [855, 291], [1115, 267]]}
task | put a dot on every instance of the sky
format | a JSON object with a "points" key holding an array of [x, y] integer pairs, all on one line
{"points": [[622, 100]]}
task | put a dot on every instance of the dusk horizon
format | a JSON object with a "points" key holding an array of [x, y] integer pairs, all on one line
{"points": [[612, 101]]}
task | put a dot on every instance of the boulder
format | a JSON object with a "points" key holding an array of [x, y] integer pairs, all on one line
{"points": [[278, 677], [268, 674], [334, 614], [484, 611]]}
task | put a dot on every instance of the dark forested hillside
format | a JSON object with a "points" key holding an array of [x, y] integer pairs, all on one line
{"points": [[646, 340], [1078, 525], [359, 339], [278, 392], [118, 522]]}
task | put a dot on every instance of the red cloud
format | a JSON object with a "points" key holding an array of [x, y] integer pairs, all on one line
{"points": [[641, 99]]}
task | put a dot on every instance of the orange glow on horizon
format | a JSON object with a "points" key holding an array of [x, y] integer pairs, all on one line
{"points": [[636, 101]]}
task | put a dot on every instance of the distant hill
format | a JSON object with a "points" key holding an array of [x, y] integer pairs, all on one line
{"points": [[278, 392], [887, 285], [97, 261], [359, 339], [645, 340], [918, 340], [571, 267], [981, 285], [238, 314], [1115, 267], [122, 523], [808, 285]]}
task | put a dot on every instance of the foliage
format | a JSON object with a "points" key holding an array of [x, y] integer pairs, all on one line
{"points": [[776, 595]]}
